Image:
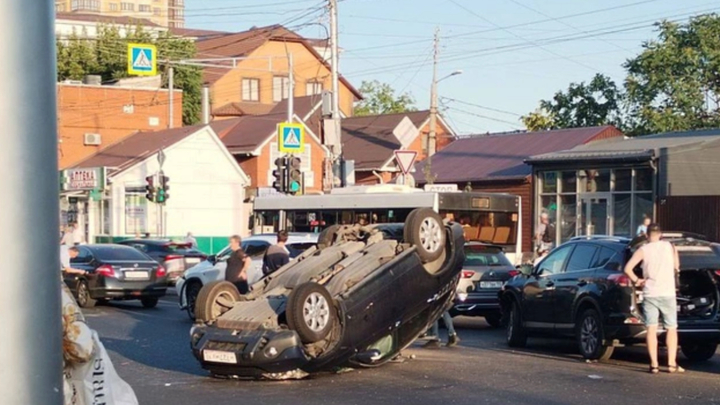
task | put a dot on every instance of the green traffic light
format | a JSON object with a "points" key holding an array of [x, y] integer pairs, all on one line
{"points": [[161, 195], [294, 186]]}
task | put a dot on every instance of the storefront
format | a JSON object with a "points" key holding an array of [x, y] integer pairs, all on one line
{"points": [[83, 200]]}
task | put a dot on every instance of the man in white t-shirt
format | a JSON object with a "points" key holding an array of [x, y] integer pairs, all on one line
{"points": [[660, 262]]}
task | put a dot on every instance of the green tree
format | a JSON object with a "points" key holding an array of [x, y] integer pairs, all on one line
{"points": [[380, 98], [538, 120], [107, 56], [674, 84]]}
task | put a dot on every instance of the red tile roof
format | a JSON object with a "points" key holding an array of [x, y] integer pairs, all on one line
{"points": [[240, 109], [502, 156]]}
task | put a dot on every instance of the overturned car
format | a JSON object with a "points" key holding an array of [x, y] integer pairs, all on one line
{"points": [[358, 299]]}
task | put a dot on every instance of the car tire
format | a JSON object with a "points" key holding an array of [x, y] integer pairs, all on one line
{"points": [[83, 295], [699, 351], [149, 302], [516, 335], [494, 320], [310, 312], [192, 291], [327, 236], [425, 230], [215, 299], [590, 336]]}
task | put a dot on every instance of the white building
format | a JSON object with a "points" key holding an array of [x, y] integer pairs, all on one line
{"points": [[106, 193], [86, 25]]}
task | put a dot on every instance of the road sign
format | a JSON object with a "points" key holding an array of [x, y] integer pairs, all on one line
{"points": [[438, 188], [291, 137], [405, 159], [161, 157], [142, 59]]}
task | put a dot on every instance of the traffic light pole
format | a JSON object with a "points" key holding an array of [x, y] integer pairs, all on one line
{"points": [[31, 349]]}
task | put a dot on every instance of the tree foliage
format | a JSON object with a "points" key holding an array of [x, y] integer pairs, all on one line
{"points": [[106, 56], [380, 98], [672, 85]]}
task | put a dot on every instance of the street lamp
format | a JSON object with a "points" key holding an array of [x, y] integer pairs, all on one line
{"points": [[431, 141]]}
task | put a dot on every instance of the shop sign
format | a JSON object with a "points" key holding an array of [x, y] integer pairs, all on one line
{"points": [[92, 178]]}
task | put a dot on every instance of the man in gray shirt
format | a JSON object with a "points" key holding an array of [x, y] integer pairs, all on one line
{"points": [[277, 255]]}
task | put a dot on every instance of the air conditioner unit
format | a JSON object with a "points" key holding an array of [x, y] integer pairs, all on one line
{"points": [[93, 139]]}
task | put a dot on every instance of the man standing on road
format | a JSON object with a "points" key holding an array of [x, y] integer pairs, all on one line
{"points": [[191, 240], [660, 262], [434, 336], [545, 233], [238, 265], [277, 255], [66, 254]]}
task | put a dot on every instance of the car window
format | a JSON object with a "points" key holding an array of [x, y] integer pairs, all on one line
{"points": [[84, 255], [296, 249], [581, 258], [119, 253], [225, 253], [256, 249], [603, 258], [477, 255], [554, 262]]}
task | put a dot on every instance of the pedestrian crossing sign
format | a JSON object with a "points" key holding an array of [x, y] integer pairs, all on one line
{"points": [[142, 60], [291, 137]]}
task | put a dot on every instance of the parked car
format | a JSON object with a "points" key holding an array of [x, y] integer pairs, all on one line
{"points": [[213, 268], [580, 290], [357, 301], [116, 272], [484, 272], [176, 257]]}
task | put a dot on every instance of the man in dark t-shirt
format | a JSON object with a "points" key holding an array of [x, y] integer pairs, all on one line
{"points": [[238, 265], [277, 255]]}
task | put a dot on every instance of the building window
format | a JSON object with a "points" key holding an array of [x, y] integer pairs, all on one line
{"points": [[313, 88], [136, 212], [59, 7], [157, 11], [144, 8], [113, 7], [251, 90], [281, 88], [85, 5], [127, 6]]}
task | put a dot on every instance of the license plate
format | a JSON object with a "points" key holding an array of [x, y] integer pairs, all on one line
{"points": [[217, 356], [491, 284], [136, 275], [192, 260]]}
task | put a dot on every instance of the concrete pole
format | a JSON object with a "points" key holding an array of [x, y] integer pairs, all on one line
{"points": [[334, 62], [291, 88], [171, 94], [31, 349], [206, 105], [431, 139]]}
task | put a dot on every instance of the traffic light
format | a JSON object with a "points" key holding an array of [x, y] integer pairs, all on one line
{"points": [[294, 175], [280, 174], [150, 187], [162, 192]]}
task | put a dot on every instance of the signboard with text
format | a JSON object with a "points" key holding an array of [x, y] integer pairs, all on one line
{"points": [[441, 188], [91, 178]]}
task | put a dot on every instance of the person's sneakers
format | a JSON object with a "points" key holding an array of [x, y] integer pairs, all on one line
{"points": [[453, 340], [432, 344]]}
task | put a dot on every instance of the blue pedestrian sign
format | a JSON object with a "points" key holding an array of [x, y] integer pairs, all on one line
{"points": [[291, 137], [142, 60]]}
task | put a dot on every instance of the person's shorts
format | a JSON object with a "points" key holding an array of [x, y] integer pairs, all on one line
{"points": [[242, 286], [656, 306]]}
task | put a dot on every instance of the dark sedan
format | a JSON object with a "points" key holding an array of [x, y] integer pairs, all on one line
{"points": [[116, 272], [485, 270], [176, 257]]}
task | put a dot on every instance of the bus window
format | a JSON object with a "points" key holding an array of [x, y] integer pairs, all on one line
{"points": [[490, 227]]}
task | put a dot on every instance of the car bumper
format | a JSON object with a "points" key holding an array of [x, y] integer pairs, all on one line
{"points": [[129, 293], [180, 288], [477, 303], [252, 353], [631, 328]]}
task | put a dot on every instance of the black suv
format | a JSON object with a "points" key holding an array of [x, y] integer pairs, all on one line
{"points": [[579, 290]]}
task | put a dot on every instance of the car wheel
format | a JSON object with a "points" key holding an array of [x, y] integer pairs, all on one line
{"points": [[149, 302], [516, 335], [327, 236], [310, 312], [699, 351], [83, 296], [424, 229], [494, 320], [191, 294], [591, 336], [215, 299]]}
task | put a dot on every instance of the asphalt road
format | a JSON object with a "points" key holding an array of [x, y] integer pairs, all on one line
{"points": [[150, 350]]}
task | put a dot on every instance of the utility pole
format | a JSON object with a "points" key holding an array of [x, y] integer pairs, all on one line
{"points": [[171, 94], [291, 88], [31, 350], [431, 139], [206, 105], [334, 61]]}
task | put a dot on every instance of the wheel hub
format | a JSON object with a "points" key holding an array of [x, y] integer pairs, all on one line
{"points": [[316, 312], [589, 335], [430, 234]]}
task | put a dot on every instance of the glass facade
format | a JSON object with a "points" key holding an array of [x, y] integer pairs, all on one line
{"points": [[595, 201]]}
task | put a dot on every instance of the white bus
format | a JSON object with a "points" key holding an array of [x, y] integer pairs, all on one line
{"points": [[492, 218]]}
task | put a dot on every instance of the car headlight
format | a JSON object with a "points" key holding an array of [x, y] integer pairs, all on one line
{"points": [[462, 296], [196, 334]]}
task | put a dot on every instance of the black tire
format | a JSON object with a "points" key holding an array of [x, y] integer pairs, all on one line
{"points": [[149, 302], [327, 236], [191, 294], [425, 230], [83, 295], [516, 335], [310, 311], [590, 336], [699, 351], [494, 320], [215, 299]]}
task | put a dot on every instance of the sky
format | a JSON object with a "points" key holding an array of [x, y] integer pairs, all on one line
{"points": [[512, 53]]}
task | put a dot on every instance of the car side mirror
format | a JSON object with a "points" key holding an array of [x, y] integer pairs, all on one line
{"points": [[369, 357], [212, 259]]}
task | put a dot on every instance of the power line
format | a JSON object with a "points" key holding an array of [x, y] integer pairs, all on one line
{"points": [[480, 106]]}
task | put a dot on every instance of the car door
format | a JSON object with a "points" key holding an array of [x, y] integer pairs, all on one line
{"points": [[572, 282], [539, 290], [83, 261], [256, 251]]}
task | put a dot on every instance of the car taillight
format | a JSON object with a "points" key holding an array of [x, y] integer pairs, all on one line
{"points": [[173, 257], [620, 279], [106, 270], [513, 273], [160, 272], [467, 273]]}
